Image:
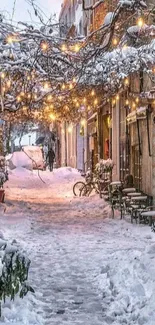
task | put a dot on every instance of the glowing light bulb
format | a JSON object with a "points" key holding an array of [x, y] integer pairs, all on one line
{"points": [[115, 41], [127, 102], [77, 48], [9, 39], [8, 83], [133, 105], [46, 85], [93, 93], [64, 48], [74, 80], [83, 122], [95, 101], [52, 117], [117, 97], [70, 86], [137, 100], [126, 82], [2, 75], [63, 87], [113, 102], [77, 104], [70, 128], [84, 100], [49, 98], [140, 22], [44, 46]]}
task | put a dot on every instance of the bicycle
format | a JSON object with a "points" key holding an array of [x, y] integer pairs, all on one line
{"points": [[92, 182], [78, 186]]}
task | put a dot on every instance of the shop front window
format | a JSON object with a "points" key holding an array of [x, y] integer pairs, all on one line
{"points": [[124, 144], [137, 167]]}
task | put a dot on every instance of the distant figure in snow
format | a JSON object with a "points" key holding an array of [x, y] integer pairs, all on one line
{"points": [[50, 157]]}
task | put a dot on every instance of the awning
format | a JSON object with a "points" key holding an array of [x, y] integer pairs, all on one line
{"points": [[131, 118], [141, 113], [138, 114]]}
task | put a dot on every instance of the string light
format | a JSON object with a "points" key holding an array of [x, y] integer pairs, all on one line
{"points": [[95, 101], [115, 41], [93, 93], [83, 122], [113, 102], [49, 98], [3, 75], [64, 48], [127, 102], [9, 39], [153, 69], [140, 22], [84, 100], [52, 117], [137, 100], [117, 97], [63, 87], [24, 108], [70, 128], [77, 48], [126, 82], [74, 80], [35, 96], [70, 86], [44, 46], [8, 83], [46, 85], [133, 105]]}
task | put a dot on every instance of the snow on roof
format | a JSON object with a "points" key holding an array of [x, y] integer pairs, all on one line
{"points": [[108, 18]]}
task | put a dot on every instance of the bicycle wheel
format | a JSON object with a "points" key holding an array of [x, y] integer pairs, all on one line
{"points": [[86, 190], [77, 188]]}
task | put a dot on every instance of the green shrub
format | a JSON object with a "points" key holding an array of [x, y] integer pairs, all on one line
{"points": [[14, 267]]}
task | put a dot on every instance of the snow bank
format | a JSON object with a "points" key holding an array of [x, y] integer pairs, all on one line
{"points": [[66, 172], [21, 172]]}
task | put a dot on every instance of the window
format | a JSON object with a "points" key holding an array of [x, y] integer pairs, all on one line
{"points": [[124, 143], [137, 167]]}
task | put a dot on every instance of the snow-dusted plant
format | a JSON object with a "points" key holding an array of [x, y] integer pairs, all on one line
{"points": [[3, 172], [14, 267], [3, 178], [104, 166]]}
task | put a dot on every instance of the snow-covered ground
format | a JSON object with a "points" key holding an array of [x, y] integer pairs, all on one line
{"points": [[86, 268]]}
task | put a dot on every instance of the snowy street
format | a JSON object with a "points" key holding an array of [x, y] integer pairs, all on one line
{"points": [[85, 267]]}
